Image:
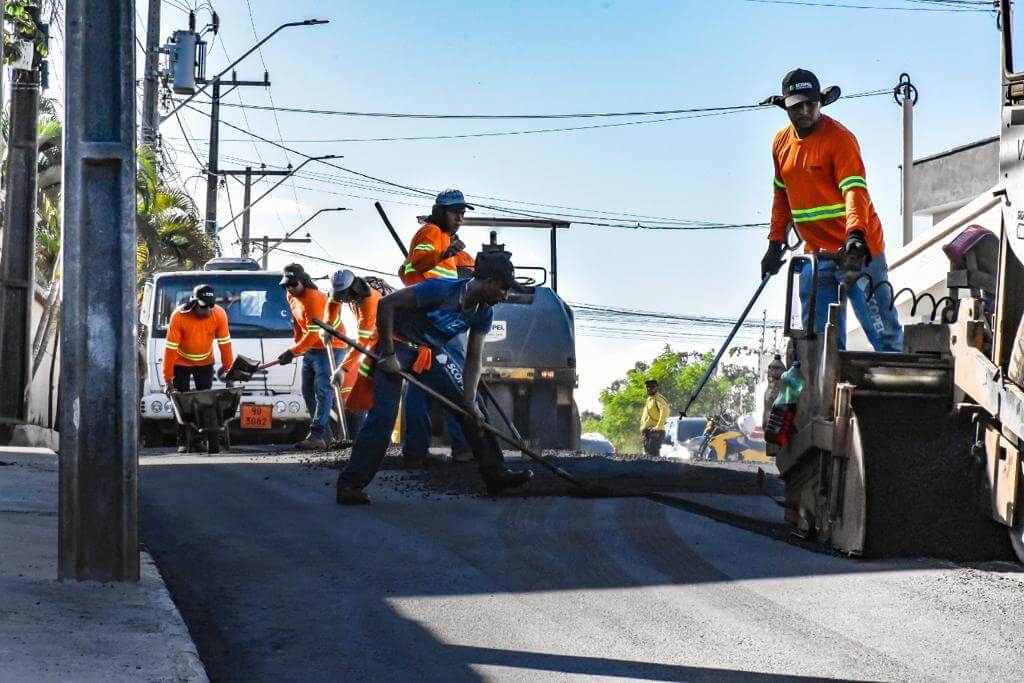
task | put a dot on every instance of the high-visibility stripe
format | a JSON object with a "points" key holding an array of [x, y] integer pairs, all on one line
{"points": [[442, 272], [365, 334], [223, 340], [852, 182], [819, 213], [364, 369], [409, 268], [346, 390], [172, 345], [194, 356], [336, 322], [779, 184], [423, 247]]}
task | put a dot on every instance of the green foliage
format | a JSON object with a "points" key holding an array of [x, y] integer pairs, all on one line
{"points": [[727, 394], [18, 17]]}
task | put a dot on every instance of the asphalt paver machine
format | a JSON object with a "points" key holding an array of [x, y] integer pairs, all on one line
{"points": [[919, 452]]}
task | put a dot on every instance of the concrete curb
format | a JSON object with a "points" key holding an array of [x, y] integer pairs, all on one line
{"points": [[191, 665]]}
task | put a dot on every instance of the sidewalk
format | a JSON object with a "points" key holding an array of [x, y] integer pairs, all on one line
{"points": [[63, 631]]}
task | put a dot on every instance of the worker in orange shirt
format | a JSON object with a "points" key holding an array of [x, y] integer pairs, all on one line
{"points": [[307, 302], [820, 185], [188, 350], [353, 375], [436, 252]]}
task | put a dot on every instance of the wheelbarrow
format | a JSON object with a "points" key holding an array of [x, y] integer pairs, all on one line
{"points": [[206, 413]]}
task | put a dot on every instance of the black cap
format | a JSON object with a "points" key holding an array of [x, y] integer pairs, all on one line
{"points": [[495, 265], [800, 85], [651, 382], [202, 296], [293, 274]]}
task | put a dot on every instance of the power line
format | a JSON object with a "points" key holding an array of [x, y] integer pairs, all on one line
{"points": [[809, 3]]}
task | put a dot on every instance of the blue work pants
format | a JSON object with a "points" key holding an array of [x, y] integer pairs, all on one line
{"points": [[316, 390]]}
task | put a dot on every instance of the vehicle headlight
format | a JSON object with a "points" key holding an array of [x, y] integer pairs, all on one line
{"points": [[280, 407], [157, 407], [169, 407], [293, 407]]}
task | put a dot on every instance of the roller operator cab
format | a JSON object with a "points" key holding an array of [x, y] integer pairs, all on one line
{"points": [[529, 363], [260, 322]]}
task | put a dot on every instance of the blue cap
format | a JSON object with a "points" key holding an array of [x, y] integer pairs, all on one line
{"points": [[452, 198]]}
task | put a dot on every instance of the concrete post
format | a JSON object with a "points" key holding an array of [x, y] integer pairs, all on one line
{"points": [[246, 200], [17, 260], [212, 177], [906, 96], [98, 525], [151, 90]]}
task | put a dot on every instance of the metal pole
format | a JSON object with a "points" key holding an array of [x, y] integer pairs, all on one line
{"points": [[906, 96], [17, 260], [98, 524], [151, 92], [211, 166], [300, 226], [266, 250], [246, 198], [554, 260]]}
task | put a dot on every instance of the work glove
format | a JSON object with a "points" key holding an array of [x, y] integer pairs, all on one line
{"points": [[856, 254], [286, 357], [168, 388], [475, 414], [772, 260], [338, 378], [454, 248], [222, 374], [389, 364]]}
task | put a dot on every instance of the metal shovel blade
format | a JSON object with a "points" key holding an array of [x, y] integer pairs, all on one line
{"points": [[242, 369]]}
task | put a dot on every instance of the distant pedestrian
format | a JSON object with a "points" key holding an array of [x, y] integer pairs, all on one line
{"points": [[652, 421]]}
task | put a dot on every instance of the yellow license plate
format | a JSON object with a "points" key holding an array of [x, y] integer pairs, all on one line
{"points": [[256, 416]]}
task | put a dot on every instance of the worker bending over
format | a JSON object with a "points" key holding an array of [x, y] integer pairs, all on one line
{"points": [[652, 421], [416, 325], [306, 303], [820, 185], [353, 375], [436, 252], [188, 351]]}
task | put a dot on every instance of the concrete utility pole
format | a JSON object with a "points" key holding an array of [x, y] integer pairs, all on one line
{"points": [[17, 264], [98, 525], [299, 227], [247, 201], [265, 243], [906, 96], [151, 89]]}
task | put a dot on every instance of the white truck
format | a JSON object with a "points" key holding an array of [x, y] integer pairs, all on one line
{"points": [[261, 328]]}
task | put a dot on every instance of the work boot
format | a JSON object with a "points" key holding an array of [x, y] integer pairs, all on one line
{"points": [[506, 479], [312, 443], [182, 448], [463, 456], [350, 495]]}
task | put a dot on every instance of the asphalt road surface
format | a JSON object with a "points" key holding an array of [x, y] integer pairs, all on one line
{"points": [[277, 582]]}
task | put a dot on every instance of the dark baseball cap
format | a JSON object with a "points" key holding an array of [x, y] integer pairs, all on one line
{"points": [[202, 296], [292, 275], [495, 265], [800, 85]]}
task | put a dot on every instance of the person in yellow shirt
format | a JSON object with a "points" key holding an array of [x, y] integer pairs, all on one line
{"points": [[652, 421]]}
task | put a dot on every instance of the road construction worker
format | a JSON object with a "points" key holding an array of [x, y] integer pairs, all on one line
{"points": [[353, 375], [436, 252], [306, 303], [188, 351], [416, 325], [652, 421], [820, 185]]}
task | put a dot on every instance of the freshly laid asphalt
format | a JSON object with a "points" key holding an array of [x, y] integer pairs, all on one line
{"points": [[432, 582]]}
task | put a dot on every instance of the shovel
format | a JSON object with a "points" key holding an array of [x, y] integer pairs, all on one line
{"points": [[243, 368], [583, 488]]}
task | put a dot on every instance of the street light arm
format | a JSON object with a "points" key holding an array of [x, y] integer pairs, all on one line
{"points": [[279, 242], [272, 188], [307, 22]]}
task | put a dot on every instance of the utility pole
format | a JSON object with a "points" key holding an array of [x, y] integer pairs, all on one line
{"points": [[265, 243], [99, 406], [247, 202], [17, 263], [905, 95], [151, 90], [246, 199], [299, 227]]}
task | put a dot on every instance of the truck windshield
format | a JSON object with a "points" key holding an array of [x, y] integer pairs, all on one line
{"points": [[690, 427], [255, 303]]}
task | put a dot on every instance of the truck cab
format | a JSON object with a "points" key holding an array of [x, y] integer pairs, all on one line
{"points": [[260, 322]]}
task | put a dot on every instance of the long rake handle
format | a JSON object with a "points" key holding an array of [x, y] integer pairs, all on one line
{"points": [[454, 407]]}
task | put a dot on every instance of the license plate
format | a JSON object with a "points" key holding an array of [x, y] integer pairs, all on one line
{"points": [[255, 416]]}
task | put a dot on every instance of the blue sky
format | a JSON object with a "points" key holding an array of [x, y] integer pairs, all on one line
{"points": [[544, 57]]}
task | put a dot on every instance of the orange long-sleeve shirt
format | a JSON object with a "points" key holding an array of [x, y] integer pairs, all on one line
{"points": [[190, 340], [366, 316], [313, 303], [424, 261], [820, 185]]}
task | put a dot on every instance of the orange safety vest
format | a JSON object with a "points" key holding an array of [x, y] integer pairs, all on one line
{"points": [[190, 340], [424, 261]]}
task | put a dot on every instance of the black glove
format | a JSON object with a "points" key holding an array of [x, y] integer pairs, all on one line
{"points": [[286, 357], [772, 260], [856, 254]]}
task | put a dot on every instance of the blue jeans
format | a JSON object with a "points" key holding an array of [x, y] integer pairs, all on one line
{"points": [[417, 416], [879, 319], [375, 435], [316, 390]]}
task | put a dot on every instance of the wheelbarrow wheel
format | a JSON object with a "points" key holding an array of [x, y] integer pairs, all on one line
{"points": [[213, 443]]}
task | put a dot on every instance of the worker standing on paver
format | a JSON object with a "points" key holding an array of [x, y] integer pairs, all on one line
{"points": [[820, 185], [652, 421], [306, 303], [188, 350], [416, 325], [436, 252], [353, 375]]}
